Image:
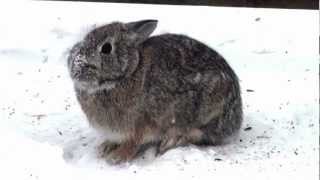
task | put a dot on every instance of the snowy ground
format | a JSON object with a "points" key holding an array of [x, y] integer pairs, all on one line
{"points": [[44, 134]]}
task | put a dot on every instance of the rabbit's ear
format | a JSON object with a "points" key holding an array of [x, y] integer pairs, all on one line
{"points": [[143, 28]]}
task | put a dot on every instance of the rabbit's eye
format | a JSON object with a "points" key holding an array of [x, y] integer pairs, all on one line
{"points": [[106, 48]]}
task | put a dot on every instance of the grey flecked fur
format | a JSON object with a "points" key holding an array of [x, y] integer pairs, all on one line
{"points": [[168, 90]]}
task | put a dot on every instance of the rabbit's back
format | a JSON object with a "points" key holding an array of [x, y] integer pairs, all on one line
{"points": [[192, 85]]}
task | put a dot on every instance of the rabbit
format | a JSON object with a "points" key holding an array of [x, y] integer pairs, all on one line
{"points": [[161, 91]]}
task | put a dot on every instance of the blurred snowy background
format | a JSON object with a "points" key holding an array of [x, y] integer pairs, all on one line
{"points": [[44, 134]]}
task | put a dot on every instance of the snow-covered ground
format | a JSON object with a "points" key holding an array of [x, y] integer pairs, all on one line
{"points": [[44, 134]]}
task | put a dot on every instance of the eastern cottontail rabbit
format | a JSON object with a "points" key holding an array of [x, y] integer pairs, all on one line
{"points": [[167, 90]]}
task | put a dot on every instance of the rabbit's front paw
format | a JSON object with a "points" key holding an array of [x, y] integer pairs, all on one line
{"points": [[107, 147], [120, 153]]}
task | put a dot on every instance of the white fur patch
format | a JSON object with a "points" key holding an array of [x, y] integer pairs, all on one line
{"points": [[92, 89]]}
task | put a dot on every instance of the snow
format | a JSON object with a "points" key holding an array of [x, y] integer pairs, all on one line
{"points": [[44, 134]]}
